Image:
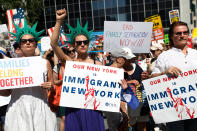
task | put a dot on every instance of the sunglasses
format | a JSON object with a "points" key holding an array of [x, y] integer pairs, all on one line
{"points": [[71, 51], [85, 42], [25, 40], [180, 33]]}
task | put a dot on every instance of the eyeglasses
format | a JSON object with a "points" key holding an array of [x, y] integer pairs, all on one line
{"points": [[180, 33], [71, 51], [23, 41], [85, 42]]}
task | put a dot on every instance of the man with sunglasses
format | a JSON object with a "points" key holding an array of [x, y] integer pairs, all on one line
{"points": [[178, 59]]}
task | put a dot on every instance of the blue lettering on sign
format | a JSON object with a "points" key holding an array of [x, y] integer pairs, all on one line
{"points": [[154, 96], [73, 89], [160, 105], [81, 91], [191, 88], [163, 94], [65, 89], [153, 107], [168, 104], [19, 63]]}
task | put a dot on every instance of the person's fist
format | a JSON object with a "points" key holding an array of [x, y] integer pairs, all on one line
{"points": [[60, 14]]}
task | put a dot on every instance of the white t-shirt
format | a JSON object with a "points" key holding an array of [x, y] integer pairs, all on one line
{"points": [[175, 57]]}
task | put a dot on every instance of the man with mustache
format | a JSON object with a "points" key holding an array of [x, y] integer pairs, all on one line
{"points": [[178, 59]]}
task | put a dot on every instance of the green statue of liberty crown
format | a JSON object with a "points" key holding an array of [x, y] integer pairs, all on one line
{"points": [[20, 32], [79, 30]]}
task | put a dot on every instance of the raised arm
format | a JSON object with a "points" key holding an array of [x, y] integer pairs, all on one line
{"points": [[60, 15]]}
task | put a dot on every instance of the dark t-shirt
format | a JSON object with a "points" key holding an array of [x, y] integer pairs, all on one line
{"points": [[137, 74]]}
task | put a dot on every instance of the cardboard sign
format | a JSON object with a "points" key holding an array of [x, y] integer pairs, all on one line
{"points": [[45, 43], [158, 32], [172, 99], [173, 16], [134, 35], [21, 72], [90, 86]]}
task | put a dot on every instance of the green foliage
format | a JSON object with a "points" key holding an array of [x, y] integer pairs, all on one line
{"points": [[33, 9]]}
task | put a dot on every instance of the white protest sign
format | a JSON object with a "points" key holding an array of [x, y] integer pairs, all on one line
{"points": [[21, 72], [45, 43], [134, 35], [3, 28], [90, 86], [172, 99]]}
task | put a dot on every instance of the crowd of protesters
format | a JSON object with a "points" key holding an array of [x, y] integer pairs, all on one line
{"points": [[36, 109]]}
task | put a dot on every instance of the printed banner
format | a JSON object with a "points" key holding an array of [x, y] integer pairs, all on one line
{"points": [[90, 86], [173, 16], [21, 72], [158, 33], [172, 99], [134, 35], [96, 43], [45, 43]]}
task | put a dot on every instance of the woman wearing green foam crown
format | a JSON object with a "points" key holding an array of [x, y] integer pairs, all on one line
{"points": [[77, 119], [28, 109]]}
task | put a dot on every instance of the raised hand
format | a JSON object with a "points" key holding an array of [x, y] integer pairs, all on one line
{"points": [[123, 84], [135, 82], [60, 14]]}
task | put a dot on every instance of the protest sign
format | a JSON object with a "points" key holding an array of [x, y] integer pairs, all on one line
{"points": [[15, 16], [173, 16], [96, 43], [4, 38], [134, 35], [21, 72], [158, 33], [90, 86], [194, 35], [45, 43], [172, 99], [3, 28], [166, 40]]}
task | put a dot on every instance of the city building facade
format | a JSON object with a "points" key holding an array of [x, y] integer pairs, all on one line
{"points": [[98, 11]]}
